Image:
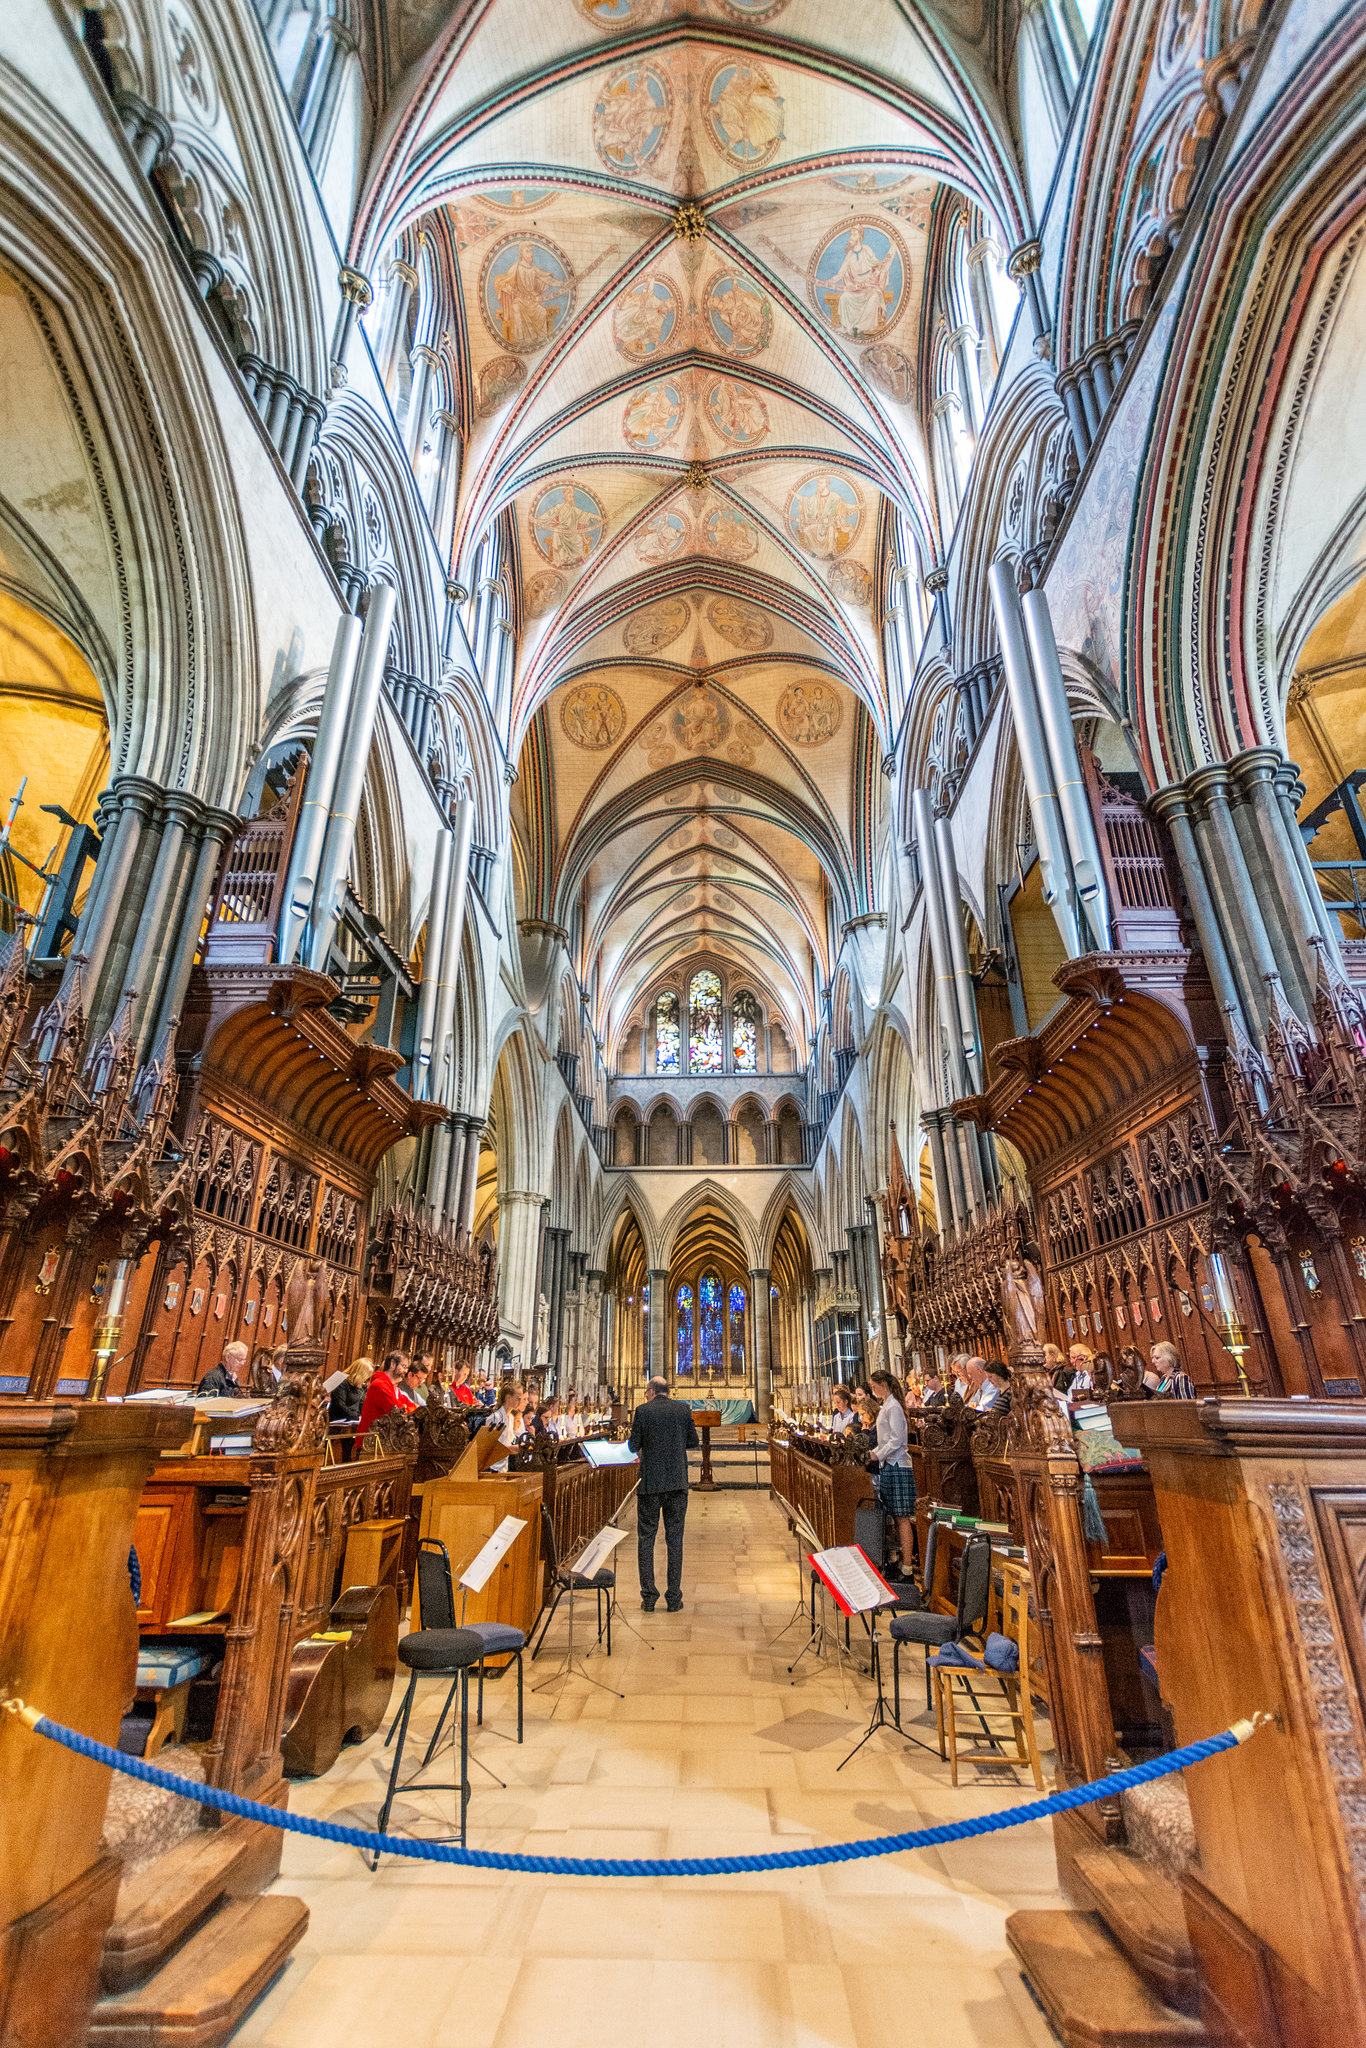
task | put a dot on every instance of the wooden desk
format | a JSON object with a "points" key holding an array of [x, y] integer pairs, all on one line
{"points": [[462, 1511]]}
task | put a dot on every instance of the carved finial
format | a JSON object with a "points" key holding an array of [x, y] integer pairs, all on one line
{"points": [[690, 222], [695, 476]]}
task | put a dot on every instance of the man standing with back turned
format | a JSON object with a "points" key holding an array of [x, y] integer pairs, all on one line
{"points": [[662, 1434]]}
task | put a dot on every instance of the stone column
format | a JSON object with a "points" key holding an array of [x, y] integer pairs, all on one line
{"points": [[426, 364], [659, 1302], [760, 1281], [469, 1178], [519, 1225]]}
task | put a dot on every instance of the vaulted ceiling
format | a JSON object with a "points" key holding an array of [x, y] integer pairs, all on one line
{"points": [[686, 247]]}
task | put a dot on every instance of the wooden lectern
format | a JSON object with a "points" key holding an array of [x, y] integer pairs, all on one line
{"points": [[70, 1481], [1263, 1513], [463, 1510]]}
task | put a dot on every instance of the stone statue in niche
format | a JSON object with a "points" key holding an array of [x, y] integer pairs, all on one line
{"points": [[542, 1352], [306, 1303], [1022, 1299]]}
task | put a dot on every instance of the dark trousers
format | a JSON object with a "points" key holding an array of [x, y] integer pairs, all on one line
{"points": [[649, 1507]]}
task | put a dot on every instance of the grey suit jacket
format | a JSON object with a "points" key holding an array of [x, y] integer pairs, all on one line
{"points": [[662, 1434]]}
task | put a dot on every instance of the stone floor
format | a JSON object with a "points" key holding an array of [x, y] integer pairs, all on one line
{"points": [[712, 1750]]}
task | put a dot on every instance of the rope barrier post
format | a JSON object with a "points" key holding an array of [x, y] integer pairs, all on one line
{"points": [[639, 1866]]}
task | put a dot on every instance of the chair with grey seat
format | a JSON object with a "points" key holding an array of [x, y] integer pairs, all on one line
{"points": [[439, 1647], [934, 1630], [563, 1579]]}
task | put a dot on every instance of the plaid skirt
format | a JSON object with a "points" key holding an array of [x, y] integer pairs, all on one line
{"points": [[896, 1489]]}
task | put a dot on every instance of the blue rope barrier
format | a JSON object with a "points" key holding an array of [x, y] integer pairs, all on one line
{"points": [[636, 1866]]}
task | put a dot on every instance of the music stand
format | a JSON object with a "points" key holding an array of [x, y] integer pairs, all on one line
{"points": [[858, 1588], [803, 1535], [559, 1676]]}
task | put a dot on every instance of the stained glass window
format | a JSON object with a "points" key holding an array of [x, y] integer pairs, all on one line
{"points": [[645, 1327], [737, 1329], [711, 1340], [666, 1035], [704, 1023], [684, 1331], [744, 1033]]}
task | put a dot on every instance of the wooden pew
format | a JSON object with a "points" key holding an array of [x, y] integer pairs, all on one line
{"points": [[820, 1480], [70, 1479]]}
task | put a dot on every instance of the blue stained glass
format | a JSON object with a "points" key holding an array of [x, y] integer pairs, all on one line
{"points": [[737, 1329], [711, 1347], [666, 1035], [744, 1013], [704, 1023], [645, 1326], [684, 1367]]}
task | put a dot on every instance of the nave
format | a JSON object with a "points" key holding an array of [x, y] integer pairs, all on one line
{"points": [[713, 1751]]}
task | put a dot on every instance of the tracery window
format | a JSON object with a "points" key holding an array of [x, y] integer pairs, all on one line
{"points": [[711, 1350], [737, 1329], [666, 1034], [704, 1023], [744, 1035], [685, 1333], [645, 1327]]}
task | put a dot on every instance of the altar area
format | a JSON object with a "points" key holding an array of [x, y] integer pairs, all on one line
{"points": [[712, 1751]]}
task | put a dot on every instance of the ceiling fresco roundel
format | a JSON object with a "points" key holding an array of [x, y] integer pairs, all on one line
{"points": [[851, 584], [519, 198], [858, 278], [644, 317], [729, 534], [526, 292], [567, 524], [737, 412], [738, 314], [824, 514], [740, 625], [664, 535], [592, 716], [652, 415], [809, 713], [542, 592], [657, 627], [744, 112], [700, 719], [631, 118]]}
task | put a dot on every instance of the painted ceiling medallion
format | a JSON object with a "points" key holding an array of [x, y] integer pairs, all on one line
{"points": [[738, 314], [737, 412], [497, 381], [886, 367], [645, 317], [657, 627], [542, 592], [652, 415], [851, 584], [662, 537], [618, 14], [592, 716], [858, 278], [740, 625], [824, 513], [729, 534], [567, 524], [750, 10], [526, 292], [871, 183], [519, 198], [743, 109], [700, 719], [631, 118], [810, 713]]}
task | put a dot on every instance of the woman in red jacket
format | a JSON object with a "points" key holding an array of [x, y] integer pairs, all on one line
{"points": [[384, 1392]]}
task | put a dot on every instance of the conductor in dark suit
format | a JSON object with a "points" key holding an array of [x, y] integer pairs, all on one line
{"points": [[662, 1434]]}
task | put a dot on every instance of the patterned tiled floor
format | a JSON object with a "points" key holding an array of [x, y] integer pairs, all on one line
{"points": [[713, 1749]]}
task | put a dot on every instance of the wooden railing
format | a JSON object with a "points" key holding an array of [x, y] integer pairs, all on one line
{"points": [[821, 1481], [246, 911]]}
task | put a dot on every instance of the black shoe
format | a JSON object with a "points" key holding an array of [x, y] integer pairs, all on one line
{"points": [[674, 1606], [650, 1605]]}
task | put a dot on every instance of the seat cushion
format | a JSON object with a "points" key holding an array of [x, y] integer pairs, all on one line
{"points": [[923, 1628], [496, 1636], [600, 1581], [441, 1649]]}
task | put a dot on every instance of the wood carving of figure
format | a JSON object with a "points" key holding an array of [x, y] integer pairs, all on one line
{"points": [[1022, 1299], [306, 1302]]}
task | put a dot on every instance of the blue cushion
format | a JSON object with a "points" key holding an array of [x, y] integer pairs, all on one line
{"points": [[496, 1636], [440, 1649]]}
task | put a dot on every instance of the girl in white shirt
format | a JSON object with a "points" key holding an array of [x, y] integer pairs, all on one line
{"points": [[896, 1479]]}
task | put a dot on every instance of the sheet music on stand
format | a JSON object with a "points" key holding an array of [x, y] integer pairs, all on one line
{"points": [[591, 1560], [480, 1570], [855, 1583]]}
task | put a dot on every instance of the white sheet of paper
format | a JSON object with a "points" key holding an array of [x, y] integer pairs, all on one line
{"points": [[330, 1386], [595, 1556], [477, 1574], [859, 1585]]}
